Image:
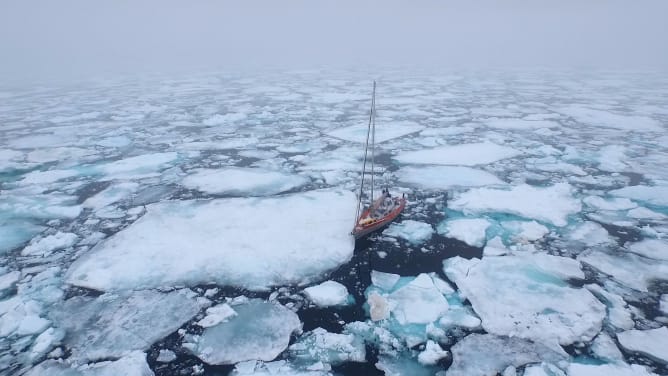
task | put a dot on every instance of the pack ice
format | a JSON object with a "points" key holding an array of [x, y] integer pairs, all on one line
{"points": [[252, 245]]}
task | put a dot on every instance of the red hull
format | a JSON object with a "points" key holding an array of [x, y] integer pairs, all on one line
{"points": [[362, 230]]}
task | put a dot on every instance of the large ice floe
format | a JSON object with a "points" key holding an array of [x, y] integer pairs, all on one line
{"points": [[652, 343], [252, 245], [243, 181], [259, 331], [462, 154], [446, 177], [110, 326], [527, 296], [546, 204], [133, 364], [488, 354]]}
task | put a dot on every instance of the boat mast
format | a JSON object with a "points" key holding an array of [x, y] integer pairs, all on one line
{"points": [[366, 152], [373, 136]]}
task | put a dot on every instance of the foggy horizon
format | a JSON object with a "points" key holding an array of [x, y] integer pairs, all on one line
{"points": [[73, 40]]}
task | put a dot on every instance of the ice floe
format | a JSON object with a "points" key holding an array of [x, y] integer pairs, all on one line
{"points": [[526, 296], [431, 354], [358, 133], [44, 246], [652, 248], [415, 232], [488, 354], [328, 293], [446, 177], [110, 326], [652, 343], [469, 230], [221, 236], [605, 348], [655, 195], [329, 348], [242, 181], [462, 154], [216, 314], [619, 315], [582, 369], [630, 270], [133, 364], [549, 204], [259, 331]]}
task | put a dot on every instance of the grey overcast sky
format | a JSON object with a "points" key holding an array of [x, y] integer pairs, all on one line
{"points": [[76, 39]]}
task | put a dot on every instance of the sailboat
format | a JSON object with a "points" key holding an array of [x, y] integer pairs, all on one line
{"points": [[381, 210]]}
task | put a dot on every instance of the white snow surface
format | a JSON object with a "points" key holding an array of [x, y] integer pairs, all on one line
{"points": [[590, 233], [463, 154], [221, 236], [550, 204], [242, 181], [259, 331], [415, 232], [469, 230], [663, 304], [446, 177], [652, 343], [328, 293], [526, 296]]}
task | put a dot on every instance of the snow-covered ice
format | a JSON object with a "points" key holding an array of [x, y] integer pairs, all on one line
{"points": [[526, 296], [242, 181], [488, 354], [110, 326], [446, 177], [259, 331], [216, 314], [418, 302], [328, 293], [583, 369], [629, 269], [330, 348], [652, 248], [469, 230], [149, 252], [462, 154], [655, 195], [548, 204], [652, 342], [50, 243], [133, 364], [415, 232]]}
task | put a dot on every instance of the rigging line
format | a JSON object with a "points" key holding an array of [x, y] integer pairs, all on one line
{"points": [[366, 151]]}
